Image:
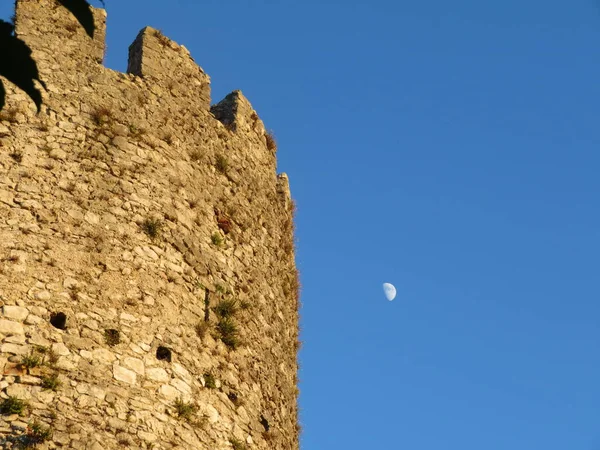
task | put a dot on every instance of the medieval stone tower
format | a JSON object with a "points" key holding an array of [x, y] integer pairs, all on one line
{"points": [[148, 289]]}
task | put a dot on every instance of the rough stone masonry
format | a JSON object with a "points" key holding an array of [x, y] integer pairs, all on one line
{"points": [[148, 289]]}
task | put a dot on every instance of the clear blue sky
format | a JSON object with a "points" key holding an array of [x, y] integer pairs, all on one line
{"points": [[450, 148]]}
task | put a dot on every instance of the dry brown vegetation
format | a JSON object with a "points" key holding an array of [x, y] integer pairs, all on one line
{"points": [[271, 142]]}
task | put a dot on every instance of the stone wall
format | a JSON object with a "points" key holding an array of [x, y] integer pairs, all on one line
{"points": [[148, 289]]}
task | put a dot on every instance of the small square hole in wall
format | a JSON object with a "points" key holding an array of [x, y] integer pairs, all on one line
{"points": [[59, 320], [163, 354]]}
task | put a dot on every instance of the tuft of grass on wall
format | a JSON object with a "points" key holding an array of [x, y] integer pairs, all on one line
{"points": [[271, 142], [184, 410], [244, 305], [135, 131], [216, 239], [101, 116], [51, 382], [228, 332], [152, 227], [209, 380], [13, 405], [162, 39], [226, 308], [221, 164], [36, 434], [51, 357], [31, 360]]}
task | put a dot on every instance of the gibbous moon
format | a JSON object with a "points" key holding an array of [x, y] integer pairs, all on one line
{"points": [[390, 291]]}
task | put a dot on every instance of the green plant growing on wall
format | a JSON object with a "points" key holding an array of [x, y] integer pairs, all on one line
{"points": [[31, 360], [13, 405], [226, 308], [135, 131], [216, 239], [184, 410], [152, 227], [244, 305], [221, 164], [36, 434], [51, 357], [51, 382], [228, 332], [209, 380]]}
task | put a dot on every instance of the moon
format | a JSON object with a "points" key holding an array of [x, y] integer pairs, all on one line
{"points": [[389, 290]]}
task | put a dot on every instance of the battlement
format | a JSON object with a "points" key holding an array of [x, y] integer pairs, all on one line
{"points": [[153, 55], [236, 113], [46, 26], [146, 253], [158, 68], [55, 36]]}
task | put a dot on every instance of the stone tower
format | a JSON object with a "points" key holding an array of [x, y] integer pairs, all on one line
{"points": [[148, 289]]}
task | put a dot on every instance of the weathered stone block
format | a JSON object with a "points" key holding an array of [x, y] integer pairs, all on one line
{"points": [[125, 375], [135, 364], [15, 312], [10, 327], [157, 374]]}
